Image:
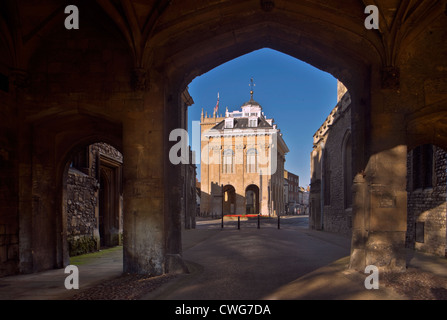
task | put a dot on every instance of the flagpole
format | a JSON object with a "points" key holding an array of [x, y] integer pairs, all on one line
{"points": [[216, 108]]}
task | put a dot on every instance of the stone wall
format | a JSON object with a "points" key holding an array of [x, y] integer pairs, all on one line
{"points": [[82, 213], [335, 217], [328, 171], [83, 233], [9, 222], [189, 194], [426, 224], [106, 149], [426, 207]]}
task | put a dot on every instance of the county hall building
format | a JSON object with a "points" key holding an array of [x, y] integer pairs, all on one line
{"points": [[242, 163]]}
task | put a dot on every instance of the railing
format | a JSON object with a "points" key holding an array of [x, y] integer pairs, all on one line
{"points": [[247, 216]]}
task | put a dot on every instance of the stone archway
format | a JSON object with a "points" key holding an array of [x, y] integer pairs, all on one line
{"points": [[229, 201], [62, 147], [252, 199], [374, 74], [133, 76]]}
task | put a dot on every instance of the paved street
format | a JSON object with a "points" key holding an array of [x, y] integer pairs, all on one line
{"points": [[292, 262], [252, 263]]}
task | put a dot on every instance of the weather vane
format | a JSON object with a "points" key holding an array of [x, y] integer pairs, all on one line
{"points": [[252, 86]]}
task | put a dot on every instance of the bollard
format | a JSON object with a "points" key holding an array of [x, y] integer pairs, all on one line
{"points": [[259, 221], [238, 222], [278, 222], [221, 225]]}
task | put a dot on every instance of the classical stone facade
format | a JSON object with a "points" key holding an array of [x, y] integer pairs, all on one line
{"points": [[242, 163]]}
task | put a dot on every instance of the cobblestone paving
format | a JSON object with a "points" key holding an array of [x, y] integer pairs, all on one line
{"points": [[125, 287], [415, 284]]}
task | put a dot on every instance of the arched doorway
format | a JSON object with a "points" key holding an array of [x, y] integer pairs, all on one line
{"points": [[93, 199], [110, 204], [229, 201], [252, 199]]}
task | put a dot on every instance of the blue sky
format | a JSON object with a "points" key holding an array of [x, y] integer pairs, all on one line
{"points": [[296, 95]]}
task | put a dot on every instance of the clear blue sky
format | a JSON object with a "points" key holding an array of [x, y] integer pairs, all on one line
{"points": [[296, 95]]}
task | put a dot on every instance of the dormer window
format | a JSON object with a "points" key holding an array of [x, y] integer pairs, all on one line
{"points": [[253, 122], [229, 123]]}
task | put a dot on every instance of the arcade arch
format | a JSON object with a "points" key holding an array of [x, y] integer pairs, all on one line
{"points": [[130, 79]]}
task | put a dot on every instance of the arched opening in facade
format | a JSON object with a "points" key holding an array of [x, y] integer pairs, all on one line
{"points": [[252, 199], [229, 204]]}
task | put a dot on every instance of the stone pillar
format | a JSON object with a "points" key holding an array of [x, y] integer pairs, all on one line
{"points": [[173, 183], [43, 246], [143, 198], [152, 189], [380, 197]]}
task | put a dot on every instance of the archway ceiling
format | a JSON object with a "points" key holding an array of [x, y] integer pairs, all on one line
{"points": [[156, 30]]}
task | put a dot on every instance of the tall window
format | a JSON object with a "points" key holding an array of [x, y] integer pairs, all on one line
{"points": [[251, 161], [326, 179], [422, 165], [227, 163], [347, 170]]}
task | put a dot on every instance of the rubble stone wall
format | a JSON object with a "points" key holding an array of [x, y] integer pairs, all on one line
{"points": [[82, 221]]}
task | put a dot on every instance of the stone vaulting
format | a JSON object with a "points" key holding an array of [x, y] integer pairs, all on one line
{"points": [[118, 79]]}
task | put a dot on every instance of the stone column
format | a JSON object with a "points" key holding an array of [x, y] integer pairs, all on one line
{"points": [[46, 240], [152, 208], [173, 183], [380, 197], [143, 216]]}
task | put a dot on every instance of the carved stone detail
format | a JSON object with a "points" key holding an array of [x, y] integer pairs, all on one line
{"points": [[140, 79], [391, 78], [267, 5]]}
